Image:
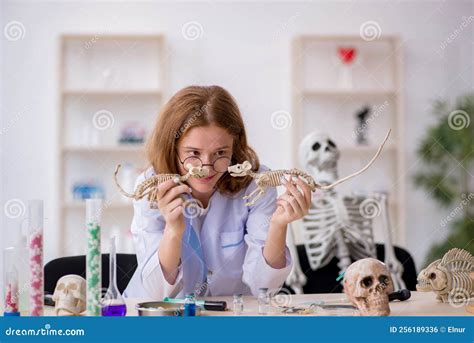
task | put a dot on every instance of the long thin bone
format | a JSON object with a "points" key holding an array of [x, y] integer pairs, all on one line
{"points": [[363, 169]]}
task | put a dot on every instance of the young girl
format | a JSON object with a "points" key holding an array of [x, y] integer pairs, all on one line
{"points": [[220, 247]]}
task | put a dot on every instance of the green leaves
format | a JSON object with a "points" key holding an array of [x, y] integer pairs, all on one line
{"points": [[447, 156], [448, 148]]}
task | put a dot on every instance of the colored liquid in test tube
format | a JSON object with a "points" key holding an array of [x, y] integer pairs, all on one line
{"points": [[35, 247], [113, 304], [93, 256], [11, 291]]}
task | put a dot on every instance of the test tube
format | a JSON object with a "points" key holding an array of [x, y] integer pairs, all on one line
{"points": [[263, 301], [35, 247], [11, 291], [93, 256]]}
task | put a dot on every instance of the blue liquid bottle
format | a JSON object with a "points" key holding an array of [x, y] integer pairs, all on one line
{"points": [[189, 306], [113, 304]]}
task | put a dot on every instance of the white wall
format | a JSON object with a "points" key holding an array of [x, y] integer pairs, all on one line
{"points": [[244, 47]]}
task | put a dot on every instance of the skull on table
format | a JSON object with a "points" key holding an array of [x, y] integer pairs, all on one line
{"points": [[70, 295], [367, 284]]}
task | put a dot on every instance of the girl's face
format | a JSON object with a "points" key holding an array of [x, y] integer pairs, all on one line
{"points": [[208, 143]]}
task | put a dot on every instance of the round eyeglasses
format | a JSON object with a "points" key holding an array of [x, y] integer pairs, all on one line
{"points": [[220, 164]]}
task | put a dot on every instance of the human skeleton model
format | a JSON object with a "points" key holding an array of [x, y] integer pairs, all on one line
{"points": [[335, 225], [451, 277], [149, 187]]}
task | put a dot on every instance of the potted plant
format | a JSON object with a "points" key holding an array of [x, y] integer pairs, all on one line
{"points": [[447, 155]]}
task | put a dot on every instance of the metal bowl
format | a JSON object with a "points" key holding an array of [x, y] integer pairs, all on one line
{"points": [[161, 308]]}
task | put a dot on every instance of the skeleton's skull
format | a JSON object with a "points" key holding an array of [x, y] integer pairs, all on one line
{"points": [[70, 295], [432, 279], [319, 155], [367, 283]]}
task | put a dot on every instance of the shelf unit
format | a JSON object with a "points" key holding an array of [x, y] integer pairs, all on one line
{"points": [[320, 103], [124, 76]]}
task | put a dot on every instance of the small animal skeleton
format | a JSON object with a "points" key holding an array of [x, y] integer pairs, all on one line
{"points": [[149, 187], [273, 178], [449, 277]]}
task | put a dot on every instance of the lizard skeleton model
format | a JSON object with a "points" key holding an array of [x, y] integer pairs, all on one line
{"points": [[149, 187], [273, 178]]}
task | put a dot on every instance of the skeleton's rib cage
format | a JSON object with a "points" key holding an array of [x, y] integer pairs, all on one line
{"points": [[332, 218]]}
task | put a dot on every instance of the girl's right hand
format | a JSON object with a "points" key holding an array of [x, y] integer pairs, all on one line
{"points": [[170, 204]]}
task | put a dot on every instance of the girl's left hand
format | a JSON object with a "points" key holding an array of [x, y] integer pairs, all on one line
{"points": [[292, 205]]}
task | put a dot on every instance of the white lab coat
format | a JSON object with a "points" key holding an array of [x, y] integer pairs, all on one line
{"points": [[234, 258]]}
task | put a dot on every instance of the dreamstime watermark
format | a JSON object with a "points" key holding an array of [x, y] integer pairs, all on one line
{"points": [[14, 30], [370, 30], [199, 112], [192, 30], [458, 209], [459, 297], [14, 208], [281, 299], [192, 208], [88, 44], [285, 26], [452, 37], [46, 331], [458, 120], [90, 41], [361, 128], [281, 120], [105, 205], [370, 208], [103, 120], [12, 122]]}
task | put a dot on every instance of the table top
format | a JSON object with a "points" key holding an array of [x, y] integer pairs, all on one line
{"points": [[420, 304]]}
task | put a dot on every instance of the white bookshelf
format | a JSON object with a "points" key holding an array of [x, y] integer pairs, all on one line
{"points": [[125, 76], [320, 103]]}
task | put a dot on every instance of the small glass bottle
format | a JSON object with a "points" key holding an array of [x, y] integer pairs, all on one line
{"points": [[189, 306], [238, 304], [263, 301]]}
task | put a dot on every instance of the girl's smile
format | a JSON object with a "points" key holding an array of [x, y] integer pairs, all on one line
{"points": [[206, 179]]}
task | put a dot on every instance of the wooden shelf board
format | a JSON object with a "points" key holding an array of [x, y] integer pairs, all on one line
{"points": [[357, 38], [111, 92], [77, 204], [104, 149], [342, 92], [366, 148], [115, 36]]}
